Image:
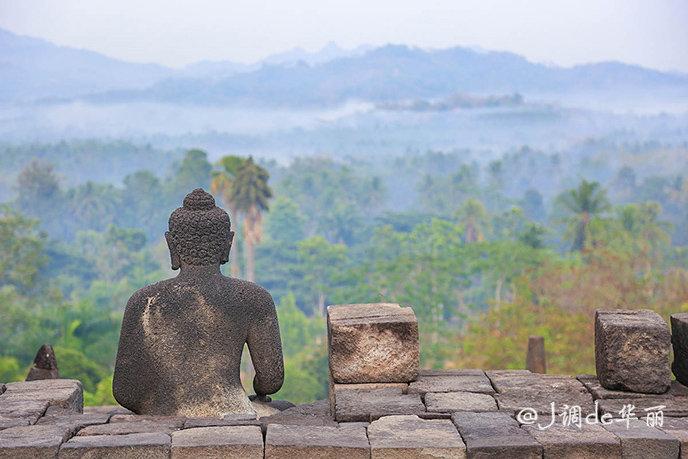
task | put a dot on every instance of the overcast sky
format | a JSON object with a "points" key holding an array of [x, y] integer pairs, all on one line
{"points": [[653, 33]]}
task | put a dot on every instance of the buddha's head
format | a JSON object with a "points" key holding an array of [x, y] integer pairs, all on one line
{"points": [[199, 232]]}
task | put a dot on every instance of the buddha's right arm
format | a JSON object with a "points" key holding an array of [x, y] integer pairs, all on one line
{"points": [[265, 346]]}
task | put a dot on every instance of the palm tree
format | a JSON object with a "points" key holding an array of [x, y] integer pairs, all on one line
{"points": [[221, 184], [584, 203], [250, 193]]}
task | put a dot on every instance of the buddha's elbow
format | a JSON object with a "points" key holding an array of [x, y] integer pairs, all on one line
{"points": [[269, 382]]}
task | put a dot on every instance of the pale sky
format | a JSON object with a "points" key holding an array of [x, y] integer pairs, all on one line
{"points": [[653, 33]]}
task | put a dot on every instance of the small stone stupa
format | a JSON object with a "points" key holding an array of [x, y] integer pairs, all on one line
{"points": [[182, 339], [44, 365]]}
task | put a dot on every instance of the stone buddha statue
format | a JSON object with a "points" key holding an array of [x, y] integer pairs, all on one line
{"points": [[181, 341]]}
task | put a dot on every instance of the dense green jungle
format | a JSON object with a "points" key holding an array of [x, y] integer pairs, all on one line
{"points": [[487, 250]]}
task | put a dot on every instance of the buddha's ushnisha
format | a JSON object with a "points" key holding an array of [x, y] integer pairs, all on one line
{"points": [[182, 338]]}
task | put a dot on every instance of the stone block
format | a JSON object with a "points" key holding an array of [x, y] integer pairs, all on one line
{"points": [[218, 442], [229, 420], [495, 435], [411, 437], [28, 410], [679, 341], [75, 422], [42, 441], [309, 414], [677, 428], [291, 441], [672, 406], [588, 442], [6, 423], [449, 402], [359, 405], [600, 393], [632, 351], [516, 392], [107, 409], [372, 343], [453, 382], [132, 446], [640, 441], [65, 394], [125, 428], [176, 421]]}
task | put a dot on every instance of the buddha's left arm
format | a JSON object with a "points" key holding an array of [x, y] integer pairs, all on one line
{"points": [[265, 346]]}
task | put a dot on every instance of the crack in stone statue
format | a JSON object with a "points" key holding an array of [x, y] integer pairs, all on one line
{"points": [[181, 341]]}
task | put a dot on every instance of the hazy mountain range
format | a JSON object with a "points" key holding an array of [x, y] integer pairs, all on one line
{"points": [[36, 70]]}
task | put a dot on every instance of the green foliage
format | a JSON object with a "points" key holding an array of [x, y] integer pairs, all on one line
{"points": [[21, 249], [481, 269], [10, 370]]}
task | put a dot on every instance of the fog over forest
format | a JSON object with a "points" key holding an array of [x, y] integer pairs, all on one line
{"points": [[497, 196]]}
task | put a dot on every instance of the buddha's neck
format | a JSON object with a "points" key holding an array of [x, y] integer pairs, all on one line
{"points": [[199, 271]]}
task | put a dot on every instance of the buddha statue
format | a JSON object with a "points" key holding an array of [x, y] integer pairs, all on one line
{"points": [[182, 338]]}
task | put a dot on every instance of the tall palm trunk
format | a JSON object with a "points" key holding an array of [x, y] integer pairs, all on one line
{"points": [[252, 236], [234, 256]]}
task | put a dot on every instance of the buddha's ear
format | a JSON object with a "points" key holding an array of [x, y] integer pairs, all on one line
{"points": [[174, 254], [226, 248]]}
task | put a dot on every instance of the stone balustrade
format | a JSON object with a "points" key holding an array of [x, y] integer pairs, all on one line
{"points": [[395, 412]]}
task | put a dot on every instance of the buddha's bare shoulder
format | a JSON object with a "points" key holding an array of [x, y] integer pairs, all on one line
{"points": [[250, 291]]}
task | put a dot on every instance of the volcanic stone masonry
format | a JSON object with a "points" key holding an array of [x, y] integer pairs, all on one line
{"points": [[387, 413], [632, 350]]}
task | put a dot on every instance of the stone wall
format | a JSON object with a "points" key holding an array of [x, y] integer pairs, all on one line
{"points": [[392, 412]]}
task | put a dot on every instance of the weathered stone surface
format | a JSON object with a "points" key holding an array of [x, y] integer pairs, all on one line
{"points": [[401, 387], [452, 372], [290, 441], [640, 441], [199, 313], [495, 435], [229, 420], [372, 343], [32, 441], [134, 446], [449, 402], [65, 394], [125, 428], [505, 379], [677, 428], [588, 442], [454, 382], [539, 391], [27, 410], [44, 365], [218, 442], [6, 423], [673, 406], [106, 409], [176, 421], [412, 437], [74, 422], [679, 341], [632, 350], [359, 405], [310, 414], [600, 393]]}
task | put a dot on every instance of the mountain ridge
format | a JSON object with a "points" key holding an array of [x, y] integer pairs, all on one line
{"points": [[38, 69]]}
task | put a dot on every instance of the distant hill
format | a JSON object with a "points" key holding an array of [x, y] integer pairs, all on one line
{"points": [[36, 69], [33, 69], [394, 73]]}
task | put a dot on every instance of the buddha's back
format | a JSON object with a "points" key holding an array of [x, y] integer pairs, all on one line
{"points": [[181, 344]]}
